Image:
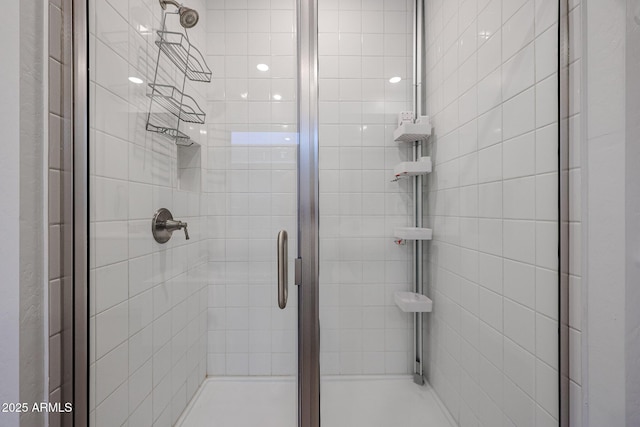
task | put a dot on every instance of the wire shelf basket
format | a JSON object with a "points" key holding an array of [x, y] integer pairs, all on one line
{"points": [[184, 55], [177, 103], [180, 138]]}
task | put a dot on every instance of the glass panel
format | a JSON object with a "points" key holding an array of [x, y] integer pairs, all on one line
{"points": [[60, 169], [490, 344], [169, 319]]}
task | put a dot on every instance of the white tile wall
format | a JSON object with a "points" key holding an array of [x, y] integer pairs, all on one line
{"points": [[491, 200], [148, 301], [361, 46], [250, 185]]}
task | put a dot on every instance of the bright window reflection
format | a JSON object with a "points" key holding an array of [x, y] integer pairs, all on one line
{"points": [[264, 138]]}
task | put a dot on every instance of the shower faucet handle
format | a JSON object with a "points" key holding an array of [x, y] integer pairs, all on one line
{"points": [[163, 225], [172, 225]]}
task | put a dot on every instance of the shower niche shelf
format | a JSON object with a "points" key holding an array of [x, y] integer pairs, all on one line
{"points": [[413, 233], [184, 55], [411, 302], [412, 132], [421, 167]]}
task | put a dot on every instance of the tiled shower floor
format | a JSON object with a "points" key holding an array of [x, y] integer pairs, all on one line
{"points": [[346, 402]]}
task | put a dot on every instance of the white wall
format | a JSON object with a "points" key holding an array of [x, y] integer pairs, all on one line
{"points": [[632, 214], [148, 305], [605, 211], [21, 168], [632, 221], [33, 217], [492, 203], [610, 192], [9, 210]]}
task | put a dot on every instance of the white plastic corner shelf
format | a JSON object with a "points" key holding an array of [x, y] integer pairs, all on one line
{"points": [[412, 132], [413, 233], [411, 302], [421, 167]]}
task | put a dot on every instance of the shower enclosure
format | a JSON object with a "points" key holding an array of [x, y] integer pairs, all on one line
{"points": [[216, 124]]}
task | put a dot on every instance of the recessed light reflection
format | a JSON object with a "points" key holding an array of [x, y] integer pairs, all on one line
{"points": [[136, 80], [395, 79], [144, 30], [262, 67], [244, 95], [277, 97], [203, 132]]}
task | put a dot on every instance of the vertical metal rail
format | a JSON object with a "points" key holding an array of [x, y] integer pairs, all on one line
{"points": [[563, 210], [418, 268], [308, 216], [80, 220]]}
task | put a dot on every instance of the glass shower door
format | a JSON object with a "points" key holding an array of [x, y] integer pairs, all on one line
{"points": [[460, 206], [200, 121]]}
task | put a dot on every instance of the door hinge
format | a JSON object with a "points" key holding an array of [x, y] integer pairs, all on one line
{"points": [[298, 271]]}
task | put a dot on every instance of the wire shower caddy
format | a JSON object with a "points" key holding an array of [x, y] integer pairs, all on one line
{"points": [[174, 105]]}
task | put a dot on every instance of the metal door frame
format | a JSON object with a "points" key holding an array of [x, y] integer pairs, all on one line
{"points": [[80, 194], [308, 214], [564, 97]]}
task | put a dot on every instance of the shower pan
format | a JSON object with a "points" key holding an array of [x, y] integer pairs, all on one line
{"points": [[366, 200]]}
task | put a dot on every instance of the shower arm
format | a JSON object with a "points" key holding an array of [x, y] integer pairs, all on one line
{"points": [[163, 4]]}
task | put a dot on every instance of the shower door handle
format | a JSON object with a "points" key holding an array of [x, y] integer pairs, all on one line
{"points": [[283, 270]]}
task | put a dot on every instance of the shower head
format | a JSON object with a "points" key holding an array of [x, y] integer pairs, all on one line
{"points": [[188, 17]]}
